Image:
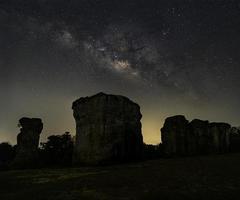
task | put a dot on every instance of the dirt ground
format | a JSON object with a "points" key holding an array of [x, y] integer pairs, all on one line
{"points": [[205, 177]]}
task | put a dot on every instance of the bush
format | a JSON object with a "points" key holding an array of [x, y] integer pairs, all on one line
{"points": [[57, 151], [152, 151], [7, 153]]}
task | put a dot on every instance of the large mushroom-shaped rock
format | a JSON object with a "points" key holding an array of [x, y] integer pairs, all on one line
{"points": [[200, 137], [174, 134], [108, 128], [220, 133], [27, 143]]}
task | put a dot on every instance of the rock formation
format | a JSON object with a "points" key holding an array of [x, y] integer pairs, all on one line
{"points": [[27, 143], [220, 137], [174, 135], [197, 137], [108, 128], [200, 137]]}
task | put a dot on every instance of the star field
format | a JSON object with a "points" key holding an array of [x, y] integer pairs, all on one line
{"points": [[171, 57]]}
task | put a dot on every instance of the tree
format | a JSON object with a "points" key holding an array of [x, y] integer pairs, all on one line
{"points": [[7, 153], [57, 151], [152, 151]]}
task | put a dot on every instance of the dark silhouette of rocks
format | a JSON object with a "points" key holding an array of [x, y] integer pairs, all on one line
{"points": [[173, 135], [220, 137], [179, 137], [108, 128], [200, 137], [27, 143]]}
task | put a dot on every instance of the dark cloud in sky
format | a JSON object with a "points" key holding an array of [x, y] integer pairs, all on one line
{"points": [[170, 56]]}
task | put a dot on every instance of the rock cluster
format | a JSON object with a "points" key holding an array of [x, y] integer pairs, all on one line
{"points": [[27, 142], [180, 137], [108, 128]]}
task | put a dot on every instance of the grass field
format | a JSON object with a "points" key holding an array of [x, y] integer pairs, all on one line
{"points": [[206, 177]]}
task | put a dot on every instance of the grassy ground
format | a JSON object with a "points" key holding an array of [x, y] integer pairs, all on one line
{"points": [[209, 177]]}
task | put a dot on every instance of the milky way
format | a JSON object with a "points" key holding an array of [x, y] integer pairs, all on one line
{"points": [[172, 57]]}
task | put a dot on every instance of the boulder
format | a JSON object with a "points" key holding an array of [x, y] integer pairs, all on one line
{"points": [[108, 128], [173, 134], [27, 143]]}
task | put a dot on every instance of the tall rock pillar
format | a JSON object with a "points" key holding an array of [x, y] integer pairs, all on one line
{"points": [[220, 133], [174, 134], [27, 143], [108, 127]]}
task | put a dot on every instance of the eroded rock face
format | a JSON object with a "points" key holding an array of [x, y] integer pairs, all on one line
{"points": [[108, 128], [27, 142], [220, 134], [201, 138], [174, 134], [197, 137]]}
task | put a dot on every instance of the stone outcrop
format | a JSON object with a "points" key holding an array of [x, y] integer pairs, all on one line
{"points": [[220, 138], [200, 137], [179, 137], [27, 143], [108, 128], [174, 135]]}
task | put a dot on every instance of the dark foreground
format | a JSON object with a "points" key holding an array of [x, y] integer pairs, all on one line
{"points": [[209, 177]]}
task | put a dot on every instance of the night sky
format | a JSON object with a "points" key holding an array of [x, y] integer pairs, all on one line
{"points": [[171, 57]]}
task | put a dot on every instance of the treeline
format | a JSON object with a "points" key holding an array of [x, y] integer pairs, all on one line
{"points": [[57, 151], [7, 154]]}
